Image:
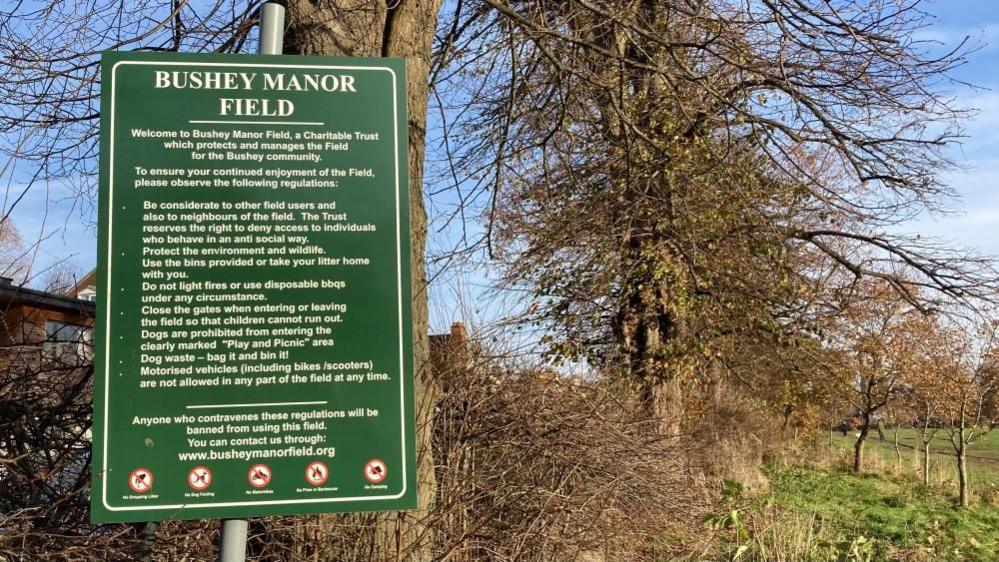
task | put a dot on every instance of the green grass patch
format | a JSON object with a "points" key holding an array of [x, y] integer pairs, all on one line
{"points": [[899, 516], [812, 515]]}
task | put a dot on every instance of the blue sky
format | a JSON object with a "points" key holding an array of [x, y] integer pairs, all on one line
{"points": [[53, 215], [54, 225], [977, 180]]}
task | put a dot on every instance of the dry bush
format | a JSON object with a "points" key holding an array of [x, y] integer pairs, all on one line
{"points": [[534, 466], [45, 420], [732, 437], [312, 538], [784, 536], [989, 494]]}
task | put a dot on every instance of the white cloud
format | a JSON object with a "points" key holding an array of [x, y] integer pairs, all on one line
{"points": [[982, 129], [973, 223], [983, 38]]}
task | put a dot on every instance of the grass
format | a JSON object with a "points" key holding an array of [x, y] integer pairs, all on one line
{"points": [[825, 513], [903, 520]]}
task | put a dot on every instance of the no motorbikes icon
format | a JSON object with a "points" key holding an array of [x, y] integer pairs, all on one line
{"points": [[259, 476]]}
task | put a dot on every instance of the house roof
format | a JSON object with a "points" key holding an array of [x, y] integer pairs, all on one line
{"points": [[87, 280], [12, 294]]}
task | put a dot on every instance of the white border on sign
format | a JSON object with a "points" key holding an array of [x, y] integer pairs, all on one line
{"points": [[107, 296]]}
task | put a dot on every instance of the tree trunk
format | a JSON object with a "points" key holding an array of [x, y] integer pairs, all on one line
{"points": [[927, 438], [962, 472], [642, 329], [786, 415], [898, 452], [662, 402], [640, 335], [858, 447], [644, 323], [371, 29], [926, 460]]}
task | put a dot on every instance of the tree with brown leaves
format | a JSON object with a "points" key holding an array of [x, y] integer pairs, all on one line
{"points": [[667, 175]]}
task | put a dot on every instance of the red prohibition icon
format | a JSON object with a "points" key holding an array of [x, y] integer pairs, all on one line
{"points": [[199, 478], [140, 480], [375, 471], [316, 473], [259, 476]]}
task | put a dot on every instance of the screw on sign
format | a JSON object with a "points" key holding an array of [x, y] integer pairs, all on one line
{"points": [[140, 480], [375, 471], [316, 473], [199, 478], [259, 476]]}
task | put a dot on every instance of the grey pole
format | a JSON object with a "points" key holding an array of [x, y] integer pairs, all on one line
{"points": [[271, 41], [271, 29], [233, 541]]}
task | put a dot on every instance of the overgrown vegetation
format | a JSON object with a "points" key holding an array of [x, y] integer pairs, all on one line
{"points": [[534, 466]]}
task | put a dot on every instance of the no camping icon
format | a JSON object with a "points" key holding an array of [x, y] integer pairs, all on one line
{"points": [[375, 471]]}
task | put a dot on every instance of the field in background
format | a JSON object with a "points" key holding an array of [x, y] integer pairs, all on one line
{"points": [[983, 457]]}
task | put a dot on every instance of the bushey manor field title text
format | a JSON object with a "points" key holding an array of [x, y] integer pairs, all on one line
{"points": [[268, 82]]}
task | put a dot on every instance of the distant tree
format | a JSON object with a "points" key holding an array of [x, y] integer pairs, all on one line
{"points": [[951, 374], [876, 334], [60, 277], [15, 257], [796, 377], [924, 373], [928, 429], [970, 393]]}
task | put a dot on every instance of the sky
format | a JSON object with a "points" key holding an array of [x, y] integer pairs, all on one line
{"points": [[977, 181], [53, 215]]}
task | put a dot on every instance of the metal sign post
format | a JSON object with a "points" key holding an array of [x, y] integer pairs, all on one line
{"points": [[271, 29], [271, 41]]}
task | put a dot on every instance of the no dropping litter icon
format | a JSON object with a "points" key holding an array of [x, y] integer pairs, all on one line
{"points": [[259, 476], [316, 473], [199, 478], [140, 480], [375, 471]]}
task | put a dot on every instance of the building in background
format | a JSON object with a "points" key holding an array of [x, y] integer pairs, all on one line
{"points": [[86, 288], [39, 326]]}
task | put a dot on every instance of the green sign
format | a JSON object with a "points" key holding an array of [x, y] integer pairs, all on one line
{"points": [[254, 334]]}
